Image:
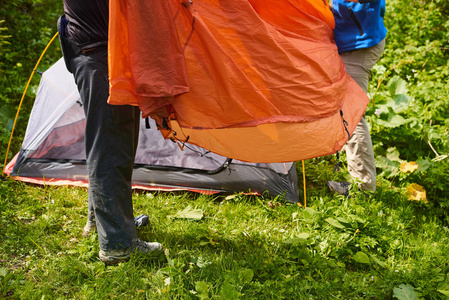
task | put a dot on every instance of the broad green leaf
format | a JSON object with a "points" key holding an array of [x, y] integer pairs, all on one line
{"points": [[405, 292], [444, 292], [303, 235], [393, 121], [202, 289], [3, 272], [434, 134], [398, 103], [201, 263], [246, 276], [300, 238], [294, 241], [228, 292], [342, 220], [389, 167], [443, 287], [361, 257], [397, 121], [393, 154], [335, 223], [378, 261], [423, 164], [311, 211], [309, 215], [379, 69], [397, 86], [188, 213], [360, 220]]}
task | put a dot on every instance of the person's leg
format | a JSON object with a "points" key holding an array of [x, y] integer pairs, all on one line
{"points": [[111, 140], [359, 148], [90, 223], [360, 157], [359, 63]]}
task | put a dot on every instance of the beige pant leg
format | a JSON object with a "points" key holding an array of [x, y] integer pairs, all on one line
{"points": [[359, 148], [360, 157]]}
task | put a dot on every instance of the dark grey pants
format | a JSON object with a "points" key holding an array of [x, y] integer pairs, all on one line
{"points": [[111, 141]]}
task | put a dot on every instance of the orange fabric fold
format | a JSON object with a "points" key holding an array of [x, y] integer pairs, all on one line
{"points": [[224, 69], [144, 45]]}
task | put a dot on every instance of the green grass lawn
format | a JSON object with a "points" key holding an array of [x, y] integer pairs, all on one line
{"points": [[246, 247]]}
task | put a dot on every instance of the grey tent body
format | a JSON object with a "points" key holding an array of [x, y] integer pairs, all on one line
{"points": [[53, 152]]}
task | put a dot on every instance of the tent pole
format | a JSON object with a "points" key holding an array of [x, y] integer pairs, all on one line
{"points": [[21, 101], [304, 180]]}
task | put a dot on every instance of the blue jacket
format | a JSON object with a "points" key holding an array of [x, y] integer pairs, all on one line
{"points": [[358, 25]]}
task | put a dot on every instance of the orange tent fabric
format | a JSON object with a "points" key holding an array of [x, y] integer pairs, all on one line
{"points": [[254, 80]]}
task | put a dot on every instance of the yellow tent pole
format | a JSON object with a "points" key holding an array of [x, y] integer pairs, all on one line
{"points": [[21, 100], [304, 180]]}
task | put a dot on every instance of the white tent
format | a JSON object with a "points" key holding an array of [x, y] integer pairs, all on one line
{"points": [[53, 152]]}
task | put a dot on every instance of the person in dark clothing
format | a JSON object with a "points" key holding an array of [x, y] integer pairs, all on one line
{"points": [[111, 133]]}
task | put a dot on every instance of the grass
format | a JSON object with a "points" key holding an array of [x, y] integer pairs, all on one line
{"points": [[244, 247]]}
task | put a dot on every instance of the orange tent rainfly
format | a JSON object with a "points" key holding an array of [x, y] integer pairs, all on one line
{"points": [[254, 80]]}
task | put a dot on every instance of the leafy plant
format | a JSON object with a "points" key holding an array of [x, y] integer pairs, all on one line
{"points": [[409, 111], [26, 27], [405, 292]]}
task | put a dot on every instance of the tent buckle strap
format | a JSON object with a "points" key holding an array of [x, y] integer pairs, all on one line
{"points": [[180, 143], [186, 3], [345, 124], [147, 123]]}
